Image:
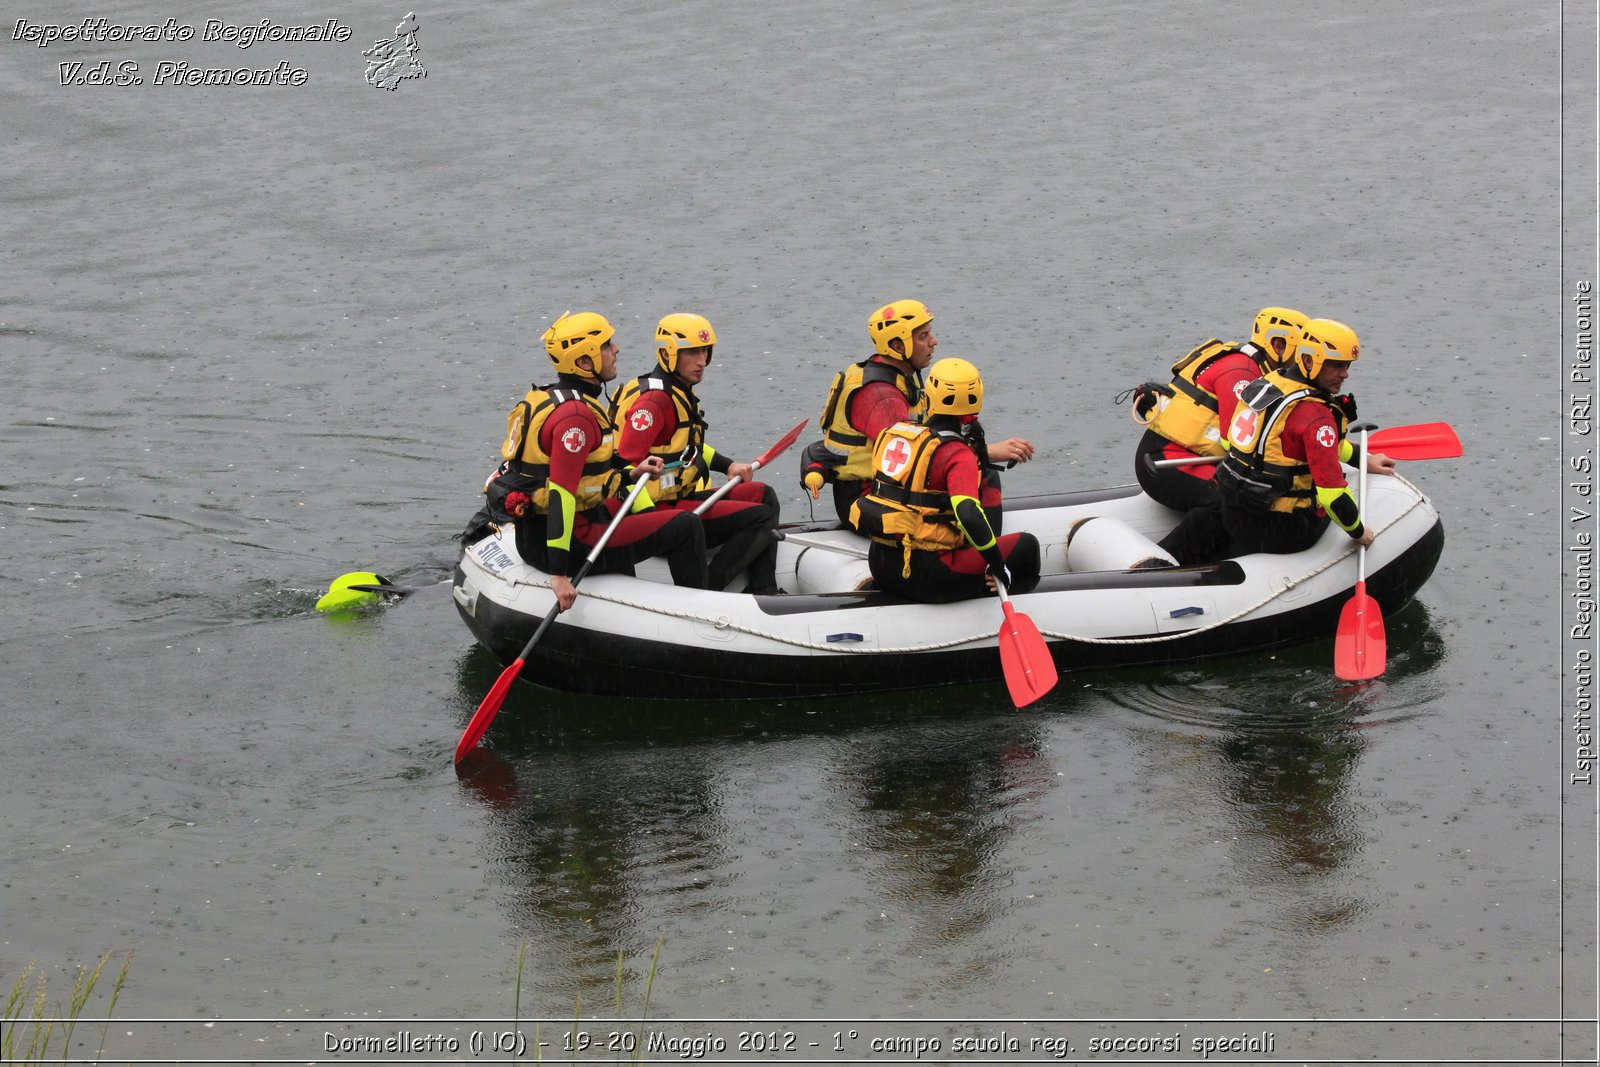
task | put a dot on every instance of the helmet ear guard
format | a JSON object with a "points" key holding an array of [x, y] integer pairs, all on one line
{"points": [[954, 388], [679, 330], [897, 320], [1274, 324], [1321, 340], [572, 337]]}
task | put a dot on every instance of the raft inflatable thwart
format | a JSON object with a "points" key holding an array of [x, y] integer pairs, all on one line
{"points": [[1109, 597]]}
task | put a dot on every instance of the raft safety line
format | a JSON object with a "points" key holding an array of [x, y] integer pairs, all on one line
{"points": [[722, 622]]}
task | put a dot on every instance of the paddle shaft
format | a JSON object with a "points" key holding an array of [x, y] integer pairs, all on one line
{"points": [[843, 550], [1184, 461], [1361, 507], [723, 491]]}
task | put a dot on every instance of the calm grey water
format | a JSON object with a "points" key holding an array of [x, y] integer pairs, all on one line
{"points": [[259, 336]]}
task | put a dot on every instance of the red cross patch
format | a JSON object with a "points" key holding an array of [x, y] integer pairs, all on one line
{"points": [[705, 337], [641, 419], [1238, 388], [1326, 437], [575, 440], [895, 457], [1245, 425]]}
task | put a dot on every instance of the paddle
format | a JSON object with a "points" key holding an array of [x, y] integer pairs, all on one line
{"points": [[497, 693], [826, 546], [756, 464], [1029, 668], [1360, 647], [1425, 440]]}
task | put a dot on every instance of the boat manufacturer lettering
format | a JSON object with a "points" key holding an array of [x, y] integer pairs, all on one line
{"points": [[493, 558]]}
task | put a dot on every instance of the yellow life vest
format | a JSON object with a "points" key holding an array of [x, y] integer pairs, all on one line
{"points": [[684, 453], [601, 480], [1256, 470], [901, 509], [1189, 416], [842, 439]]}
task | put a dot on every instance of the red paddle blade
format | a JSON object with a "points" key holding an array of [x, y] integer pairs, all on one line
{"points": [[1360, 648], [1426, 440], [766, 458], [487, 710], [1030, 671]]}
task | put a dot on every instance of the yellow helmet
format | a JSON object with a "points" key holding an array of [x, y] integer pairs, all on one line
{"points": [[571, 337], [899, 319], [954, 388], [1273, 324], [1321, 340], [682, 330]]}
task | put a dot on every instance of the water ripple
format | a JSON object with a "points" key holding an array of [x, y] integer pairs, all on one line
{"points": [[1291, 690]]}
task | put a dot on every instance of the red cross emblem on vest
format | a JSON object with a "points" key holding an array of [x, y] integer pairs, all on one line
{"points": [[895, 457]]}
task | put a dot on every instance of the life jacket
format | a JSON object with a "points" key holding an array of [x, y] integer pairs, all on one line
{"points": [[684, 452], [527, 466], [901, 509], [1188, 416], [839, 437], [1256, 472]]}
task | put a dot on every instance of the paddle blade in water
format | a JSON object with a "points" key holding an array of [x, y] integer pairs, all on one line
{"points": [[1030, 671], [1360, 648], [1425, 440], [487, 710]]}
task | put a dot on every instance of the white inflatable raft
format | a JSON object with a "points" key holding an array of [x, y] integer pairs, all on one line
{"points": [[1108, 598]]}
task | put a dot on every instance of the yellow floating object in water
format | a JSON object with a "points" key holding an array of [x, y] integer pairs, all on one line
{"points": [[340, 597]]}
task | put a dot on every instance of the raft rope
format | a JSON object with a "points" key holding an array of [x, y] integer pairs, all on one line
{"points": [[722, 622]]}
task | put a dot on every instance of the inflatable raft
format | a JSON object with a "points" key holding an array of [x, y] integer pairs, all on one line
{"points": [[1109, 597]]}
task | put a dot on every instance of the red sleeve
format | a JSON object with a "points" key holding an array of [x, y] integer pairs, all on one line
{"points": [[568, 436], [653, 418], [955, 470], [1310, 431], [1225, 378], [875, 407]]}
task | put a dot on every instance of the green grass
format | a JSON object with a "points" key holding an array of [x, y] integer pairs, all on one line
{"points": [[31, 1026], [637, 1055], [29, 1017], [649, 984]]}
